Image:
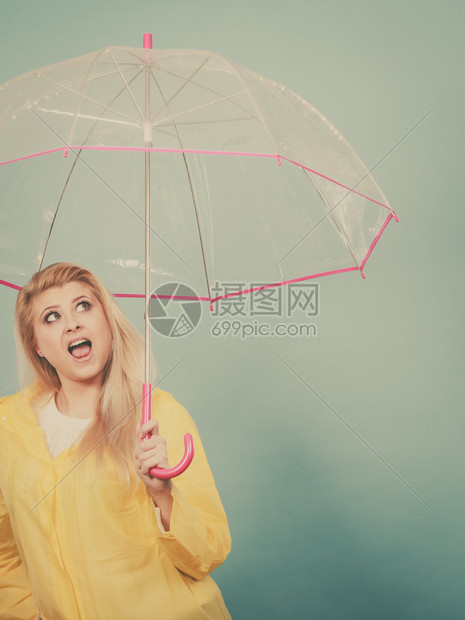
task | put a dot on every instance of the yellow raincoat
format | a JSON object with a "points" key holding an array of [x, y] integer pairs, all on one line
{"points": [[76, 547]]}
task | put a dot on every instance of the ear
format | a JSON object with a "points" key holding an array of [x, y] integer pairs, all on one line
{"points": [[39, 353]]}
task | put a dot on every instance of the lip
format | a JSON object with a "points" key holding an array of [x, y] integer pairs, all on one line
{"points": [[86, 358], [77, 339]]}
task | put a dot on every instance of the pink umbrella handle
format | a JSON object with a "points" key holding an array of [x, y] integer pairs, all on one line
{"points": [[165, 474], [172, 472]]}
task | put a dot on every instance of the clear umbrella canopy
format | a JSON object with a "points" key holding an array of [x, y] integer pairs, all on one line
{"points": [[248, 182]]}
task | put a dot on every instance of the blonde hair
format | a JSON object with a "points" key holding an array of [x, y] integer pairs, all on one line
{"points": [[119, 405]]}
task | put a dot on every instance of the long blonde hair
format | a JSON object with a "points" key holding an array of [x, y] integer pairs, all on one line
{"points": [[119, 405]]}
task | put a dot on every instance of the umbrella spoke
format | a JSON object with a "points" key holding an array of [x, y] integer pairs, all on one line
{"points": [[209, 122], [187, 81], [215, 92], [204, 106], [220, 98], [120, 198], [329, 212], [192, 193], [333, 219], [115, 98], [99, 119], [57, 209], [81, 96], [127, 88]]}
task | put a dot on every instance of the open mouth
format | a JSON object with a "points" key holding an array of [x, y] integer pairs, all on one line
{"points": [[80, 348]]}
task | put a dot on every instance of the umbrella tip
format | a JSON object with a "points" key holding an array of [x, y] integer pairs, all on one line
{"points": [[147, 41]]}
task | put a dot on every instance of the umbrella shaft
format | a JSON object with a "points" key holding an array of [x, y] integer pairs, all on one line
{"points": [[147, 265], [148, 144]]}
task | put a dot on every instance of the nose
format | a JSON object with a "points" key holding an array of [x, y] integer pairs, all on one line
{"points": [[73, 326]]}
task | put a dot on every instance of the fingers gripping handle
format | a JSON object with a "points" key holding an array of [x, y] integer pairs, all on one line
{"points": [[172, 472], [183, 464]]}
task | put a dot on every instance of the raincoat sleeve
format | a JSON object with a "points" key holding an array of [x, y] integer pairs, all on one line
{"points": [[15, 591], [198, 539]]}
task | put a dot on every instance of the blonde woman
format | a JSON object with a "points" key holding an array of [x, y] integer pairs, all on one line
{"points": [[85, 532]]}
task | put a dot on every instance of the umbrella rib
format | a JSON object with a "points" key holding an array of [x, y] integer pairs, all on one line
{"points": [[272, 241], [164, 129], [75, 151], [66, 183], [210, 90], [194, 200], [110, 72], [341, 233], [100, 119], [204, 106], [364, 177], [190, 80], [211, 122], [87, 98], [309, 232], [127, 87], [134, 212], [42, 258], [259, 117], [186, 82]]}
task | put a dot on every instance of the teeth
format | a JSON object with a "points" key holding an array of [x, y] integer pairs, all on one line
{"points": [[77, 343]]}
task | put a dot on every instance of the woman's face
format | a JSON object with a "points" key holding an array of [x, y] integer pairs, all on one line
{"points": [[72, 332]]}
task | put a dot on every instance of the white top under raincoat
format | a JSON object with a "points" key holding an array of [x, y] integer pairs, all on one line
{"points": [[78, 547]]}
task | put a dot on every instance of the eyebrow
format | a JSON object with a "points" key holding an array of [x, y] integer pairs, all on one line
{"points": [[58, 306]]}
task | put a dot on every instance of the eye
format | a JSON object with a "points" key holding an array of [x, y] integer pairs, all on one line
{"points": [[52, 316], [82, 306]]}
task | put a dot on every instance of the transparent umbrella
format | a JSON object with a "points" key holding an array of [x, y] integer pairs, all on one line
{"points": [[227, 175]]}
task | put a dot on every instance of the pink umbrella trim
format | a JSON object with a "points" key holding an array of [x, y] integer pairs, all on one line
{"points": [[10, 284], [256, 288], [277, 157]]}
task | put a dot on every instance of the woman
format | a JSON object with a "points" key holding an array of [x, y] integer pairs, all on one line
{"points": [[85, 532]]}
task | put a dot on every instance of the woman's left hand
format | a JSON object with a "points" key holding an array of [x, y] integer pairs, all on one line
{"points": [[152, 453]]}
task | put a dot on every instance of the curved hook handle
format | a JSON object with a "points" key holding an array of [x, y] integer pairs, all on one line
{"points": [[165, 474], [172, 472]]}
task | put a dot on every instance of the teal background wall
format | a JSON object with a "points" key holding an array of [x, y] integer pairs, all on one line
{"points": [[339, 458]]}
